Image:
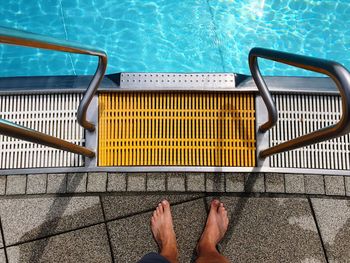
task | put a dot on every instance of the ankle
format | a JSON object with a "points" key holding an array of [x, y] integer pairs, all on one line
{"points": [[170, 256], [206, 246], [169, 251]]}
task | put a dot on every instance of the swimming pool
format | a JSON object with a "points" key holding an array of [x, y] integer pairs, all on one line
{"points": [[175, 36]]}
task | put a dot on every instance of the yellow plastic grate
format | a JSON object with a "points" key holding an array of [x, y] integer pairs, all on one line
{"points": [[176, 129]]}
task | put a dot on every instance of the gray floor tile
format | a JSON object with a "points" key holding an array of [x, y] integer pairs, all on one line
{"points": [[196, 182], [333, 218], [36, 183], [215, 182], [56, 183], [176, 182], [294, 183], [189, 220], [314, 184], [116, 182], [347, 185], [235, 182], [2, 256], [271, 230], [122, 205], [76, 182], [16, 184], [136, 182], [131, 237], [254, 182], [28, 218], [156, 182], [334, 185], [97, 182], [84, 245], [2, 184], [274, 183]]}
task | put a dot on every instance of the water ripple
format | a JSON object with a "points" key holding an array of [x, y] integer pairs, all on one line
{"points": [[176, 36]]}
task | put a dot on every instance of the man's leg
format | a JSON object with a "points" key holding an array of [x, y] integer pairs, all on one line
{"points": [[163, 231], [215, 229]]}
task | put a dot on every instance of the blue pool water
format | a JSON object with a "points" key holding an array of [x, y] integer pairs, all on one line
{"points": [[175, 35]]}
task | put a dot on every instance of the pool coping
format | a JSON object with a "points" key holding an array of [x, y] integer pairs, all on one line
{"points": [[263, 183], [124, 82]]}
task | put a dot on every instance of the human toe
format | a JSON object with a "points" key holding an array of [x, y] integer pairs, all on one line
{"points": [[214, 204], [158, 211], [165, 204], [221, 208], [153, 220], [160, 206]]}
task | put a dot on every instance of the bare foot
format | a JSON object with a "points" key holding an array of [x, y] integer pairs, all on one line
{"points": [[163, 231], [215, 227]]}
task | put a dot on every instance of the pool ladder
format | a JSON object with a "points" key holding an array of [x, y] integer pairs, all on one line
{"points": [[180, 128]]}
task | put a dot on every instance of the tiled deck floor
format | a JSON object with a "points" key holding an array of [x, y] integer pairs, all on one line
{"points": [[330, 185], [114, 227]]}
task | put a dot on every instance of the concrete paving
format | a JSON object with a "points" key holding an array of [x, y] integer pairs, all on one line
{"points": [[2, 256], [271, 230], [333, 218], [117, 206], [114, 227], [84, 245], [102, 182], [25, 219]]}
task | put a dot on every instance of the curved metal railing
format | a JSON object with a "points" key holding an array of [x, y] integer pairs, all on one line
{"points": [[334, 70], [19, 132], [23, 38]]}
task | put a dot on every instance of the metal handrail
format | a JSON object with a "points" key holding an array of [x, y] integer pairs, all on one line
{"points": [[16, 131], [23, 38], [334, 70]]}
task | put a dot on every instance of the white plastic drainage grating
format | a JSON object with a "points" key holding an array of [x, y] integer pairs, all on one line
{"points": [[53, 114], [302, 114]]}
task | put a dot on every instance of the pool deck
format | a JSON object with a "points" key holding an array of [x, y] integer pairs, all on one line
{"points": [[100, 218]]}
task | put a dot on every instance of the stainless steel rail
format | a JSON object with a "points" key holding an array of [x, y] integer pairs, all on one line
{"points": [[13, 130], [22, 38], [334, 70]]}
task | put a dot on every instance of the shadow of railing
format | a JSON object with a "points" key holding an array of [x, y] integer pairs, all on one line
{"points": [[238, 210], [50, 223]]}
